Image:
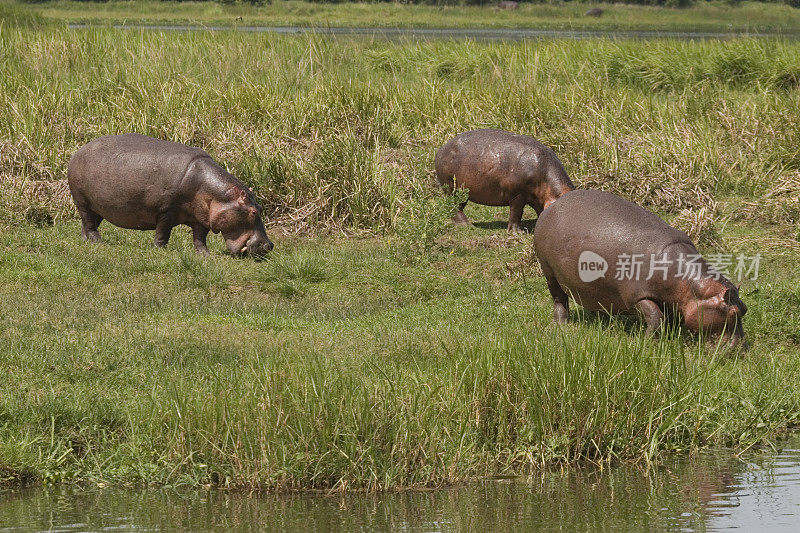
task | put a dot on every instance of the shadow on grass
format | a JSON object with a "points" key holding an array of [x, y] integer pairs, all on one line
{"points": [[527, 225], [631, 324]]}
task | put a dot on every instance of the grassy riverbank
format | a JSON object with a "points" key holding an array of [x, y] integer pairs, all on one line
{"points": [[749, 17], [335, 366], [379, 347]]}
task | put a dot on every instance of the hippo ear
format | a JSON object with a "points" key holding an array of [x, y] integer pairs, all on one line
{"points": [[243, 197]]}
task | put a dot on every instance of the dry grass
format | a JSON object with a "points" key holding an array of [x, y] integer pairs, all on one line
{"points": [[39, 202], [21, 159], [28, 188], [525, 266], [776, 245], [667, 193], [779, 205], [699, 224]]}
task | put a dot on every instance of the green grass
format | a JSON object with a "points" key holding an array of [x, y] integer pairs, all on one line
{"points": [[753, 17], [378, 347], [126, 364]]}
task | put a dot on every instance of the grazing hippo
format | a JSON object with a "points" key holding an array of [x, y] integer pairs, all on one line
{"points": [[594, 12], [501, 168], [508, 4], [612, 255], [138, 182]]}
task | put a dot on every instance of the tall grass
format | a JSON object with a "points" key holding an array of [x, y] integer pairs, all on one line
{"points": [[339, 133]]}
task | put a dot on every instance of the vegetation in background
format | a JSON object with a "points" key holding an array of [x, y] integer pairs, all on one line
{"points": [[718, 16], [373, 349]]}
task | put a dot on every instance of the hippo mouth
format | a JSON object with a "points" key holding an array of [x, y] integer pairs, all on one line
{"points": [[239, 250], [734, 339], [257, 251], [251, 245], [244, 251]]}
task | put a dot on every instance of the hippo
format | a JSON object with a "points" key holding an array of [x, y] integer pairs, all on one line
{"points": [[501, 168], [589, 244], [508, 4], [138, 182], [594, 12]]}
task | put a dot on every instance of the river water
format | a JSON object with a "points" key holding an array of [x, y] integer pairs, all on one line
{"points": [[712, 491]]}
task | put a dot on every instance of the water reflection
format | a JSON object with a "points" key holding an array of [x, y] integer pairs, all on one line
{"points": [[712, 492], [765, 494]]}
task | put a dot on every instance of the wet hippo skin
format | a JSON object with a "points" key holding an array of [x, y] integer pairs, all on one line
{"points": [[586, 230], [501, 168], [138, 182]]}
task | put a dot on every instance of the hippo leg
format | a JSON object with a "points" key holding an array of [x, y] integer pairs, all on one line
{"points": [[164, 226], [90, 221], [199, 234], [560, 300], [651, 314], [460, 218], [517, 206]]}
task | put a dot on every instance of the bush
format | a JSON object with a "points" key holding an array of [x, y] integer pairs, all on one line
{"points": [[425, 217]]}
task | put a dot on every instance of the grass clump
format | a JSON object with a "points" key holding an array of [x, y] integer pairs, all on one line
{"points": [[423, 220], [291, 273], [779, 205]]}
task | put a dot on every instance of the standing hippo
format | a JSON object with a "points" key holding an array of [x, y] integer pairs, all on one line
{"points": [[612, 255], [138, 182], [501, 168]]}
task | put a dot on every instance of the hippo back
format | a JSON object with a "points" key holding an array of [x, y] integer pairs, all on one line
{"points": [[496, 146], [497, 166], [604, 220], [151, 160]]}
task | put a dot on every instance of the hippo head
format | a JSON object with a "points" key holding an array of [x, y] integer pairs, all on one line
{"points": [[719, 311], [239, 221]]}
